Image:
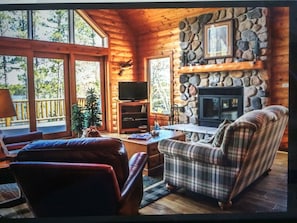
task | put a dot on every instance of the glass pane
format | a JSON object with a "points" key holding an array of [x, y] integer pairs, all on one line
{"points": [[49, 94], [84, 34], [88, 76], [211, 108], [229, 108], [13, 75], [159, 73], [51, 25], [13, 24]]}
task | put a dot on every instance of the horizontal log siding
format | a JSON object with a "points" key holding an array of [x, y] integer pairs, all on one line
{"points": [[157, 44], [122, 48], [279, 20]]}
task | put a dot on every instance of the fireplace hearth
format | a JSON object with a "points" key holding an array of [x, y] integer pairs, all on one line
{"points": [[215, 104]]}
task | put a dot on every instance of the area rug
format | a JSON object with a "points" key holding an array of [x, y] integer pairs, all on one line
{"points": [[11, 191], [153, 189]]}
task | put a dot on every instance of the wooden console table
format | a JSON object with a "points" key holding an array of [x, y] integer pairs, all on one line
{"points": [[155, 160]]}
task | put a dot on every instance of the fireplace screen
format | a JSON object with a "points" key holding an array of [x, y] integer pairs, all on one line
{"points": [[216, 105]]}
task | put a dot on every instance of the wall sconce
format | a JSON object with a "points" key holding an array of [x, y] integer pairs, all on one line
{"points": [[125, 66]]}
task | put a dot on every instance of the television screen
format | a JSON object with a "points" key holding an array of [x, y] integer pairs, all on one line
{"points": [[133, 91]]}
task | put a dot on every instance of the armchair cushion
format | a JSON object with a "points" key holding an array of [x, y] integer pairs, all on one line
{"points": [[200, 152], [219, 135]]}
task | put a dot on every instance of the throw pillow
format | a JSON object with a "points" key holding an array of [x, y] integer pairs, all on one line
{"points": [[219, 135]]}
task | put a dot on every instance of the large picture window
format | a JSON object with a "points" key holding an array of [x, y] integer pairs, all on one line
{"points": [[46, 78]]}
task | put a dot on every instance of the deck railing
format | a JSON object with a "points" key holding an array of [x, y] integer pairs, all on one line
{"points": [[47, 110]]}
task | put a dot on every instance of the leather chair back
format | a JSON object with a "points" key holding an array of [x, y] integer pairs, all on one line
{"points": [[103, 150], [69, 189]]}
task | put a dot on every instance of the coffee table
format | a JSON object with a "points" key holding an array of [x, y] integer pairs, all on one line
{"points": [[155, 161]]}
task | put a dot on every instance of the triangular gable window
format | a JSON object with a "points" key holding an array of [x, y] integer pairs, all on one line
{"points": [[86, 31]]}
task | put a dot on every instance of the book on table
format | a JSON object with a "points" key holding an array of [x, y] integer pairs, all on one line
{"points": [[141, 136]]}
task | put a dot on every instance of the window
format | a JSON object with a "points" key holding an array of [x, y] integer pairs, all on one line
{"points": [[49, 94], [63, 26], [51, 25], [42, 82], [159, 70], [84, 34], [88, 73], [13, 75], [14, 24]]}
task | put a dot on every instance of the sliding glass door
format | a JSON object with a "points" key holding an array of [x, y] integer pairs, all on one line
{"points": [[13, 75], [49, 91], [89, 75]]}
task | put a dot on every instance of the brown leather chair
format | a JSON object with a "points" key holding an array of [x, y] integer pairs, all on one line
{"points": [[80, 177]]}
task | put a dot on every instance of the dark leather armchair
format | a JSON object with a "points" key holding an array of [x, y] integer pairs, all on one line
{"points": [[80, 177]]}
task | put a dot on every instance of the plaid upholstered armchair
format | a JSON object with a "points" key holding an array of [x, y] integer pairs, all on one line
{"points": [[237, 155]]}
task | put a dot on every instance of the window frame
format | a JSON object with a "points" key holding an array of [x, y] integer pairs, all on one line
{"points": [[147, 68], [31, 48], [101, 60]]}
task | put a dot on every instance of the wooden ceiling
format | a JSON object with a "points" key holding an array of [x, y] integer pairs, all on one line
{"points": [[142, 21]]}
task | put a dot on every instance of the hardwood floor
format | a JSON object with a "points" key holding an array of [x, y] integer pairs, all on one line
{"points": [[268, 194]]}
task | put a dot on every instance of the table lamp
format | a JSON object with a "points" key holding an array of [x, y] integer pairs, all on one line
{"points": [[6, 110]]}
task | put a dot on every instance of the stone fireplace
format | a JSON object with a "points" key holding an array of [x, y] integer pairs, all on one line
{"points": [[246, 69]]}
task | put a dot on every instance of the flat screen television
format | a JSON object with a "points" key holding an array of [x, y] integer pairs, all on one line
{"points": [[133, 91]]}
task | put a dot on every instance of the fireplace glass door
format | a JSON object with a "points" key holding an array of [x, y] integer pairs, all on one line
{"points": [[211, 108], [229, 108], [216, 109]]}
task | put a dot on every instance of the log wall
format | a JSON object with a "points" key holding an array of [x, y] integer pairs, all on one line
{"points": [[279, 79], [122, 48]]}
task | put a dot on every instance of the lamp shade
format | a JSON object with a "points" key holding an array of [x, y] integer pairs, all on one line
{"points": [[6, 105]]}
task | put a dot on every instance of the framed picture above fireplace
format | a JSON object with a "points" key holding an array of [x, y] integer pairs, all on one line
{"points": [[218, 39]]}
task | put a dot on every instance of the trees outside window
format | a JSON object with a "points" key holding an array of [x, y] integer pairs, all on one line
{"points": [[13, 75], [14, 24], [45, 79], [159, 70], [53, 26]]}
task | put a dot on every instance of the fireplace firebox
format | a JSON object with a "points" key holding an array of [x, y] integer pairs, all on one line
{"points": [[216, 104]]}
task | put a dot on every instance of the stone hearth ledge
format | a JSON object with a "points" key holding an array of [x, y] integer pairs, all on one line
{"points": [[193, 132]]}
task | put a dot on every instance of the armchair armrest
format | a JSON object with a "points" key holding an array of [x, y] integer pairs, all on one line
{"points": [[15, 142], [136, 165], [201, 152], [132, 191]]}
